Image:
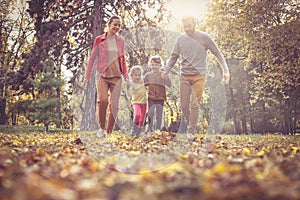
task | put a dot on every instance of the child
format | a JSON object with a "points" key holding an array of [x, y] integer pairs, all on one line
{"points": [[157, 82], [138, 93]]}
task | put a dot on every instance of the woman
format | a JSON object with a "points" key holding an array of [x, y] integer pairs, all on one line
{"points": [[108, 51]]}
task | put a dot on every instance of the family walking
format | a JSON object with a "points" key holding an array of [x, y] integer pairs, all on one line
{"points": [[148, 92]]}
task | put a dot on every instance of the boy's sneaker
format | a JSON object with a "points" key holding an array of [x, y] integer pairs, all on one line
{"points": [[132, 132], [100, 133]]}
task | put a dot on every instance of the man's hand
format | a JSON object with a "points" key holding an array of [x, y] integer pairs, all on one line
{"points": [[164, 75], [226, 77]]}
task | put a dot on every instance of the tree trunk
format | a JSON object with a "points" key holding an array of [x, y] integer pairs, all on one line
{"points": [[235, 122], [285, 121], [264, 119], [46, 128], [251, 124], [58, 107], [3, 116], [243, 115], [244, 124], [287, 117], [296, 114], [89, 120]]}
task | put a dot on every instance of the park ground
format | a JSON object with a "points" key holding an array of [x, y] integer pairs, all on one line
{"points": [[66, 165]]}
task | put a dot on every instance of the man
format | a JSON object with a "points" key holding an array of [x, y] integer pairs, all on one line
{"points": [[192, 47]]}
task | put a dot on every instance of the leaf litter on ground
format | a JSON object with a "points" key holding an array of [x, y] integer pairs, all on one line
{"points": [[159, 165]]}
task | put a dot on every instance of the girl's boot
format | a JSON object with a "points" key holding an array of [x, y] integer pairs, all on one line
{"points": [[134, 129], [138, 132]]}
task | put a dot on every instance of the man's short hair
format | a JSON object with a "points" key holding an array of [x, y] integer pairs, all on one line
{"points": [[188, 19]]}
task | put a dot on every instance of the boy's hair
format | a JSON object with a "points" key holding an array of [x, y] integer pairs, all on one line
{"points": [[135, 68], [156, 59]]}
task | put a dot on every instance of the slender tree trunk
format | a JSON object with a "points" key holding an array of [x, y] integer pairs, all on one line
{"points": [[89, 120], [284, 127], [295, 115], [58, 107], [235, 122], [264, 119], [3, 116], [244, 124], [290, 116], [251, 124], [243, 115]]}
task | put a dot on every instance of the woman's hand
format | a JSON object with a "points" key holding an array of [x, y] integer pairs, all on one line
{"points": [[127, 83]]}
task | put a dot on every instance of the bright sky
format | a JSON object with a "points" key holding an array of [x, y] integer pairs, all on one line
{"points": [[181, 8]]}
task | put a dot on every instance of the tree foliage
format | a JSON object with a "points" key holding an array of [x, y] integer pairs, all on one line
{"points": [[260, 40], [265, 36], [43, 106], [16, 35]]}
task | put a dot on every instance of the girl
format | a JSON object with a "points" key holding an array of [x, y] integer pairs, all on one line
{"points": [[138, 93], [108, 51]]}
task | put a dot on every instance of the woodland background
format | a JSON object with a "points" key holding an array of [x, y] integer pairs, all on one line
{"points": [[45, 46]]}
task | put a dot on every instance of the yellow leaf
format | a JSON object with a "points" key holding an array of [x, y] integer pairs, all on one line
{"points": [[246, 151], [183, 156], [220, 168], [112, 138], [261, 153], [64, 173], [259, 176], [226, 168], [94, 166], [146, 175], [295, 150], [109, 181], [17, 143], [207, 186], [134, 153], [175, 167], [284, 151], [39, 151], [71, 41]]}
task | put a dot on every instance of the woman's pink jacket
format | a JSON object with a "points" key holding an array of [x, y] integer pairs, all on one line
{"points": [[100, 50]]}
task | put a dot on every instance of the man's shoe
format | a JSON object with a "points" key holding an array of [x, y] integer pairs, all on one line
{"points": [[190, 136], [100, 133]]}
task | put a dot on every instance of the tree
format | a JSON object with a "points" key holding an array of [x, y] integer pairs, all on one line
{"points": [[43, 107], [52, 23], [16, 32], [262, 34]]}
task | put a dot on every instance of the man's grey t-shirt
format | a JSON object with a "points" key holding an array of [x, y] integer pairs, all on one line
{"points": [[193, 52]]}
